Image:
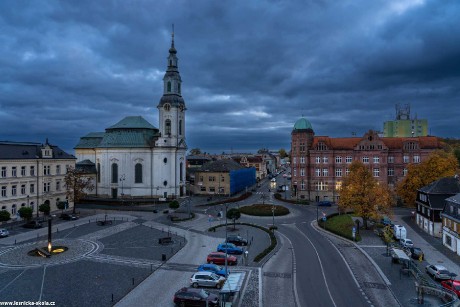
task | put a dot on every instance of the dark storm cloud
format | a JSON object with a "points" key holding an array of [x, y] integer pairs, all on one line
{"points": [[250, 68]]}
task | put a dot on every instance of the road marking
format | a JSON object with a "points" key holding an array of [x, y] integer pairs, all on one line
{"points": [[43, 282], [12, 281], [294, 272], [321, 265]]}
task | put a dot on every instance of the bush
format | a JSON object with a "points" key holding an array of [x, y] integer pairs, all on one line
{"points": [[341, 225], [264, 210], [174, 204], [4, 216]]}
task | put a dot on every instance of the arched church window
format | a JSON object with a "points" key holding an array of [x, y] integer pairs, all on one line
{"points": [[178, 88], [114, 173], [138, 173], [168, 126], [99, 172], [169, 87], [167, 107], [180, 127]]}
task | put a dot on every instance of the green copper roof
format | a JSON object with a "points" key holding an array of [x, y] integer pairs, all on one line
{"points": [[132, 122], [302, 124]]}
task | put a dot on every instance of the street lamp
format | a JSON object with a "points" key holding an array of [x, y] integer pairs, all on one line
{"points": [[226, 237], [28, 201]]}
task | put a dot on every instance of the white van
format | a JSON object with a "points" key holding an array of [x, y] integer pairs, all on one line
{"points": [[399, 232]]}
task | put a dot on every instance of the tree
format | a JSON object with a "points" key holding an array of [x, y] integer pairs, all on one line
{"points": [[195, 151], [438, 165], [61, 205], [77, 184], [25, 213], [364, 194], [233, 214], [45, 208], [174, 204], [283, 153], [4, 216]]}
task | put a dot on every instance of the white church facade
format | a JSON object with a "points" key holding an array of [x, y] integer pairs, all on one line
{"points": [[133, 158]]}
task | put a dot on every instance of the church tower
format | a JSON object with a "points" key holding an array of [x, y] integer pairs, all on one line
{"points": [[172, 121]]}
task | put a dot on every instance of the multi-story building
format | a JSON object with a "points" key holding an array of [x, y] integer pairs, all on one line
{"points": [[404, 126], [223, 177], [319, 163], [430, 203], [451, 224], [254, 161], [32, 174]]}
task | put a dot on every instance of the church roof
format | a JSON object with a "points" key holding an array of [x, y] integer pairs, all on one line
{"points": [[132, 122]]}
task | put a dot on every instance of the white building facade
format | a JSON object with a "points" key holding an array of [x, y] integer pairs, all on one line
{"points": [[135, 159], [32, 174]]}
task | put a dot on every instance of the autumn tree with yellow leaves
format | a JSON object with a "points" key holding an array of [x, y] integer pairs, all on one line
{"points": [[363, 194], [438, 165]]}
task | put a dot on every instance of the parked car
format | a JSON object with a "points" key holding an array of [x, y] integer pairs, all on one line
{"points": [[68, 217], [416, 252], [207, 279], [237, 240], [32, 224], [406, 243], [453, 285], [4, 233], [219, 258], [325, 203], [209, 267], [195, 297], [437, 271], [230, 248]]}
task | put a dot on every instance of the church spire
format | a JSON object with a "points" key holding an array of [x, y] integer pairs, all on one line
{"points": [[172, 49]]}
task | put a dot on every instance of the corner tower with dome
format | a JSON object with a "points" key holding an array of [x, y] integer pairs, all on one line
{"points": [[135, 159]]}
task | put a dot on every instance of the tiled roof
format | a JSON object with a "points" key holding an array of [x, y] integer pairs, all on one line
{"points": [[91, 140], [446, 185], [24, 150], [221, 166]]}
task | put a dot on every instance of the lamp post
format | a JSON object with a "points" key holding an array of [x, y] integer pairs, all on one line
{"points": [[28, 201], [273, 213], [226, 237]]}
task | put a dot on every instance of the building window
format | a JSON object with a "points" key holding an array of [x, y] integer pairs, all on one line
{"points": [[138, 173], [295, 172], [58, 169], [58, 185], [338, 159], [294, 161], [302, 172], [169, 87], [46, 170], [46, 187], [321, 146], [98, 174], [13, 209], [347, 171], [338, 172], [212, 189], [376, 172], [211, 178], [167, 107], [302, 186], [180, 127], [23, 170], [178, 88], [114, 173], [14, 172], [325, 172], [317, 172], [391, 172], [203, 189], [32, 188], [168, 127], [406, 159], [376, 160], [4, 191], [302, 160], [23, 189], [348, 160], [416, 159], [3, 171], [325, 160], [405, 172], [32, 171], [391, 159], [449, 240], [317, 160], [13, 190], [365, 159]]}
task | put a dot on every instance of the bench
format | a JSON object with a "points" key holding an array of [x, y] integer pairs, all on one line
{"points": [[165, 240], [42, 252]]}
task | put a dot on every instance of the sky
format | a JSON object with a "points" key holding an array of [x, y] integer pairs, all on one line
{"points": [[249, 69]]}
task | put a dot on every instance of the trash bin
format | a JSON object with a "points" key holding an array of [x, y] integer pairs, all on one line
{"points": [[163, 257]]}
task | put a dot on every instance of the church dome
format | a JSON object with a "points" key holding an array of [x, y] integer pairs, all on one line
{"points": [[302, 124]]}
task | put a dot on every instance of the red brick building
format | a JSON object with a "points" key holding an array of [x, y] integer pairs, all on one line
{"points": [[319, 163]]}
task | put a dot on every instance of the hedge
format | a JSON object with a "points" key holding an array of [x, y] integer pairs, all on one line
{"points": [[264, 210]]}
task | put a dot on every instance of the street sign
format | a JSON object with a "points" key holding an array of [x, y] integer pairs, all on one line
{"points": [[354, 230], [324, 218]]}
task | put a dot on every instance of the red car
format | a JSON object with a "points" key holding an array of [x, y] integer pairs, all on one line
{"points": [[453, 285], [219, 258]]}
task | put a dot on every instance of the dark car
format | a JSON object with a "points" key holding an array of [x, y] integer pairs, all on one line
{"points": [[416, 253], [195, 297], [32, 224], [237, 240], [69, 217], [325, 203], [219, 258]]}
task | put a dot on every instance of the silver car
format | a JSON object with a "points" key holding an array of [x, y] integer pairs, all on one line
{"points": [[4, 233], [207, 279], [437, 271]]}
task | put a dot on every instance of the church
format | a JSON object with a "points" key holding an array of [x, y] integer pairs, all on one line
{"points": [[132, 158]]}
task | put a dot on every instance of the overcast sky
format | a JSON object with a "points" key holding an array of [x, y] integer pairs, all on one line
{"points": [[250, 69]]}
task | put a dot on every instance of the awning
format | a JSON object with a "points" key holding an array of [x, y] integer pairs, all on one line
{"points": [[233, 282]]}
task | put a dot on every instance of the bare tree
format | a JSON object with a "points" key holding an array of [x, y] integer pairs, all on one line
{"points": [[77, 185]]}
